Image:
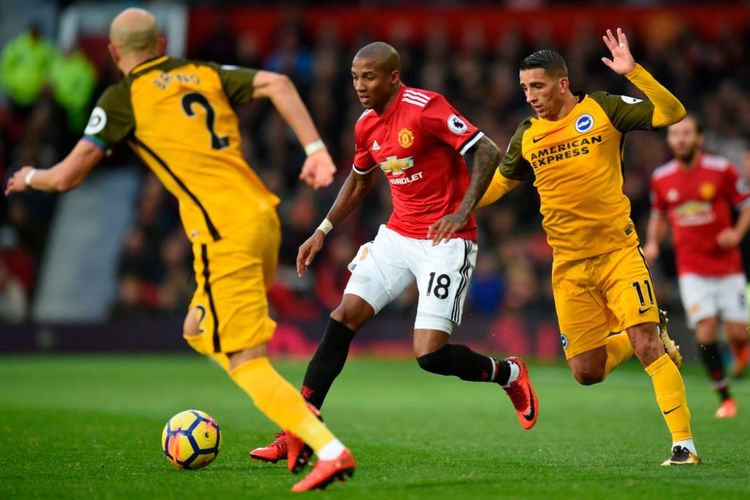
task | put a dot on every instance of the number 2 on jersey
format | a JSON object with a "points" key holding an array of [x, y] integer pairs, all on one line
{"points": [[195, 98]]}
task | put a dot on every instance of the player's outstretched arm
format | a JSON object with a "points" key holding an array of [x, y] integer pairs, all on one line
{"points": [[64, 176], [667, 108], [350, 196], [486, 161], [622, 61], [318, 170]]}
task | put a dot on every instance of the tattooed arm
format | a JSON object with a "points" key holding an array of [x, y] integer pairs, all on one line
{"points": [[486, 160]]}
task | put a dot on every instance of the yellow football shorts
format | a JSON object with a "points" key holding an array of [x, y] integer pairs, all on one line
{"points": [[600, 295], [233, 276]]}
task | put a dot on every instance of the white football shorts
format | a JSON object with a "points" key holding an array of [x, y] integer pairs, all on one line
{"points": [[386, 266], [720, 296]]}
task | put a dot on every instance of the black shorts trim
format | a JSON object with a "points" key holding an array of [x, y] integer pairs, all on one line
{"points": [[210, 225], [456, 312], [207, 289]]}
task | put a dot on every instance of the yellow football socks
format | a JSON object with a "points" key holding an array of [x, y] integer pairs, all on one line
{"points": [[221, 359], [196, 342], [670, 395], [280, 402], [619, 350]]}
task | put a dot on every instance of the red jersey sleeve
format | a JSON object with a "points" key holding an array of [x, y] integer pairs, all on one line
{"points": [[658, 202], [444, 123], [363, 161], [737, 187]]}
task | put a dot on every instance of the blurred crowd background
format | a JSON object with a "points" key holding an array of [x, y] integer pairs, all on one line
{"points": [[48, 86]]}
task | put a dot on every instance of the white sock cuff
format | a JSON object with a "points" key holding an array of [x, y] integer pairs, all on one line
{"points": [[687, 443], [331, 450], [515, 371]]}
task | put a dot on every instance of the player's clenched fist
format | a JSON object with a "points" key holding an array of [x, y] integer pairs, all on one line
{"points": [[318, 170], [17, 182]]}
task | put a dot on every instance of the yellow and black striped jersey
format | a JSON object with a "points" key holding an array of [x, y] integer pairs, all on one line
{"points": [[177, 116]]}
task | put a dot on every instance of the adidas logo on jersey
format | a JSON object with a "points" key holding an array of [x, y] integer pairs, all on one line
{"points": [[416, 98], [375, 145]]}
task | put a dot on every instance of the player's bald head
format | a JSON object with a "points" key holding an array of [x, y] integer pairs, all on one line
{"points": [[382, 55], [135, 30]]}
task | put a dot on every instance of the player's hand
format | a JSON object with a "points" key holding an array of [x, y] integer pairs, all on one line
{"points": [[445, 227], [728, 238], [308, 250], [318, 170], [17, 182], [651, 252], [622, 61]]}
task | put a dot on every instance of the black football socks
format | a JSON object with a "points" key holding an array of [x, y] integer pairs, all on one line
{"points": [[460, 361], [711, 357], [327, 362]]}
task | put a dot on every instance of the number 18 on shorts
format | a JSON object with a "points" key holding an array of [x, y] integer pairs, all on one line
{"points": [[386, 266]]}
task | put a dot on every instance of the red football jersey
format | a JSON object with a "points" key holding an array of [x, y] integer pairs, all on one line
{"points": [[699, 205], [418, 142]]}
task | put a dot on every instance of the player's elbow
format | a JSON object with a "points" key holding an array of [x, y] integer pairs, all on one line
{"points": [[665, 118], [63, 184], [489, 197], [681, 111], [279, 85], [678, 113]]}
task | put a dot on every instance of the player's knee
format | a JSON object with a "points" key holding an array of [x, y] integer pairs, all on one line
{"points": [[589, 377], [647, 346], [190, 326], [239, 358], [351, 316]]}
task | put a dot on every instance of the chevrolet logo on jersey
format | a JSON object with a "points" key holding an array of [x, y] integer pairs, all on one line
{"points": [[395, 165]]}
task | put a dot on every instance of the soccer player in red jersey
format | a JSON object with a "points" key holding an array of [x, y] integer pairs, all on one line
{"points": [[695, 193], [418, 140]]}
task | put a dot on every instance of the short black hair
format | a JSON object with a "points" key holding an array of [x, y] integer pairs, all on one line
{"points": [[549, 60], [385, 56]]}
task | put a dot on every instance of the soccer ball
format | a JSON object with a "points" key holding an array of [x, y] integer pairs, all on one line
{"points": [[191, 439]]}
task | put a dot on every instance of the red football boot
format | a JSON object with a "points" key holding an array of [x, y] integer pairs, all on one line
{"points": [[741, 355], [298, 453], [287, 446], [523, 396], [326, 471], [728, 409], [273, 452]]}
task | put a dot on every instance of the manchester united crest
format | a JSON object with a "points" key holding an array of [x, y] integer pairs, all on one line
{"points": [[707, 190], [405, 138]]}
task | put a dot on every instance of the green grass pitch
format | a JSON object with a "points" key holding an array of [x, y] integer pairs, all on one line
{"points": [[90, 427]]}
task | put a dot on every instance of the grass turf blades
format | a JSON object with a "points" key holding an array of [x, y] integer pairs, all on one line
{"points": [[89, 427]]}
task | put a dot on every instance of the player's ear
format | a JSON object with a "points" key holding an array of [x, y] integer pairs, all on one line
{"points": [[395, 76], [161, 45], [564, 84], [114, 52]]}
